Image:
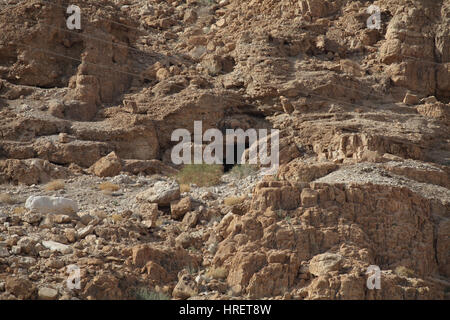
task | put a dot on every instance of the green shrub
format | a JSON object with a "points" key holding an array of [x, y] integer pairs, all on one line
{"points": [[146, 294], [203, 175], [244, 170]]}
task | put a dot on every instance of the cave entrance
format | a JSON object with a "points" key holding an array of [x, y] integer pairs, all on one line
{"points": [[233, 151]]}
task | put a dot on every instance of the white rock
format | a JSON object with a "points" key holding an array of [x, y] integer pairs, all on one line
{"points": [[3, 251], [161, 193], [47, 294], [56, 246], [46, 204]]}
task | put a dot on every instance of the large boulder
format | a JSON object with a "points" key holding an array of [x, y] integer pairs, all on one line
{"points": [[53, 205]]}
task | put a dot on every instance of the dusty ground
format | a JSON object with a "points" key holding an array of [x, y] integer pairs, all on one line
{"points": [[363, 116]]}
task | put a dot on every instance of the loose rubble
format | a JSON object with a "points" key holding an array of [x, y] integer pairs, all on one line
{"points": [[364, 176]]}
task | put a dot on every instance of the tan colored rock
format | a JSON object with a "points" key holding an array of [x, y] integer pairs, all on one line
{"points": [[149, 213], [20, 287], [309, 197], [437, 110], [103, 287], [179, 208], [351, 67], [162, 74], [410, 99], [30, 171], [221, 22], [324, 263], [191, 218], [148, 167], [275, 194], [244, 265], [171, 259], [108, 166], [185, 288], [190, 16], [156, 273], [287, 106]]}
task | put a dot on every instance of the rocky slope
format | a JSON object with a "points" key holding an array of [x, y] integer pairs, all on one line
{"points": [[364, 119]]}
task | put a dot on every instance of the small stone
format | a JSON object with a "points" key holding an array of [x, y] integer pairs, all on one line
{"points": [[410, 99], [162, 74], [190, 219], [61, 218], [56, 109], [185, 288], [71, 234], [15, 250], [179, 208], [82, 233], [221, 22], [429, 100], [56, 246], [3, 251], [32, 217], [63, 137], [47, 294], [190, 16]]}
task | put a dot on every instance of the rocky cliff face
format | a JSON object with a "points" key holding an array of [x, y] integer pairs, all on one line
{"points": [[363, 115]]}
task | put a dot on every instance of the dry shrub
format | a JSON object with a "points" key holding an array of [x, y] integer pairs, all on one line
{"points": [[108, 187], [19, 210], [203, 175], [242, 171], [185, 188], [217, 273], [231, 201], [7, 198], [117, 218], [54, 185], [404, 272], [100, 214], [159, 222]]}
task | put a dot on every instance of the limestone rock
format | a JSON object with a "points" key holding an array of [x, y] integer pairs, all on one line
{"points": [[410, 99], [325, 263], [56, 246], [185, 288], [162, 193], [53, 205], [45, 293], [179, 208], [20, 287], [107, 166]]}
